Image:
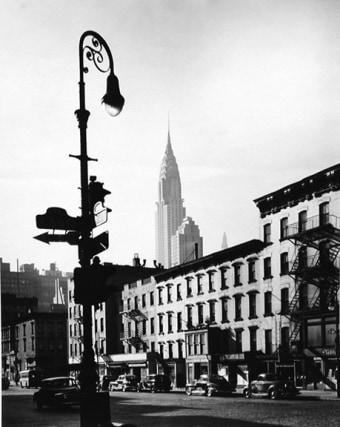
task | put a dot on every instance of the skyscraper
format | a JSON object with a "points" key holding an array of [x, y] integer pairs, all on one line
{"points": [[171, 212]]}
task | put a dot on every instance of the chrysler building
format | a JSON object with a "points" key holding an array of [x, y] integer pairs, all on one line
{"points": [[176, 241]]}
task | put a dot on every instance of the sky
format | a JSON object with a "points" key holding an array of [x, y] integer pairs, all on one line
{"points": [[251, 89]]}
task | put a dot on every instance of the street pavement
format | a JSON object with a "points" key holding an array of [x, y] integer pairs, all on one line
{"points": [[178, 410]]}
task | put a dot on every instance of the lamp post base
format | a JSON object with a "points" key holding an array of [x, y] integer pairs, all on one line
{"points": [[95, 410]]}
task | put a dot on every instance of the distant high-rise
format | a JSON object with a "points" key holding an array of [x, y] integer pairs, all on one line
{"points": [[171, 213]]}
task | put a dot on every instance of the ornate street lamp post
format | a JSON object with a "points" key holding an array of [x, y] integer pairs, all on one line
{"points": [[93, 48]]}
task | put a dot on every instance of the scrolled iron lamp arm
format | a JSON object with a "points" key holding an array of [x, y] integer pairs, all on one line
{"points": [[97, 51]]}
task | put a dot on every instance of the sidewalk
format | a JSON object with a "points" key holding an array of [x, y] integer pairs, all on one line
{"points": [[319, 394]]}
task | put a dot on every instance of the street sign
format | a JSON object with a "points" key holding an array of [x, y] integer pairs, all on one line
{"points": [[58, 219], [72, 238], [99, 243]]}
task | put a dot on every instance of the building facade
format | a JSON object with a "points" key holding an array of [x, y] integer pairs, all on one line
{"points": [[39, 342], [302, 224], [265, 305]]}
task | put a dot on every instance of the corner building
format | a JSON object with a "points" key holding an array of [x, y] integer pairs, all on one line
{"points": [[301, 225]]}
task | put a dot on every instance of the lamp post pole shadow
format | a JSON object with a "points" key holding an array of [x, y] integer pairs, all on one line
{"points": [[94, 407]]}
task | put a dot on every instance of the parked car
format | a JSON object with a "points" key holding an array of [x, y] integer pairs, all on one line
{"points": [[5, 383], [155, 382], [105, 382], [124, 383], [57, 391], [272, 386], [31, 378], [209, 385]]}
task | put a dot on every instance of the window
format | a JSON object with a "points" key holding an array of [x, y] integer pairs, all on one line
{"points": [[252, 305], [101, 325], [129, 304], [284, 228], [169, 293], [268, 341], [189, 288], [190, 345], [144, 327], [303, 259], [160, 324], [284, 300], [24, 330], [180, 349], [268, 304], [152, 325], [143, 301], [160, 296], [189, 315], [324, 213], [200, 314], [237, 275], [211, 282], [153, 346], [199, 285], [267, 266], [179, 321], [24, 342], [285, 338], [136, 302], [171, 352], [202, 344], [212, 312], [161, 350], [224, 303], [251, 271], [196, 344], [253, 339], [152, 300], [238, 339], [267, 233], [179, 295], [170, 323], [284, 263], [302, 221], [223, 278], [32, 344], [238, 311]]}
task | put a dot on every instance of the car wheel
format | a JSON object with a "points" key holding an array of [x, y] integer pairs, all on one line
{"points": [[246, 393], [188, 391], [210, 392], [273, 394]]}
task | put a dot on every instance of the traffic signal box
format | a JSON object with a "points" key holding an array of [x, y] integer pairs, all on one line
{"points": [[94, 284], [97, 193]]}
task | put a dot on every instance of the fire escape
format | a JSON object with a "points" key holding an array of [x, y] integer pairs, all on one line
{"points": [[134, 336], [78, 325], [315, 268]]}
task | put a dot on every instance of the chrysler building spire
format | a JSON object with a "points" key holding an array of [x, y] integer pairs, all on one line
{"points": [[170, 211]]}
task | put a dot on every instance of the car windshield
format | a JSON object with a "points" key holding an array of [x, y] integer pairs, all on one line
{"points": [[59, 383], [271, 377]]}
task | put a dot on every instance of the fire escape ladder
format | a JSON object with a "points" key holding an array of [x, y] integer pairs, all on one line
{"points": [[137, 317], [295, 333]]}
